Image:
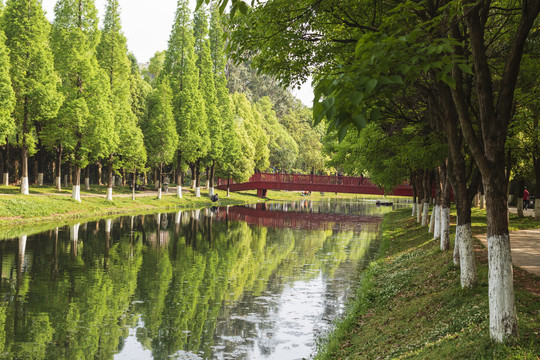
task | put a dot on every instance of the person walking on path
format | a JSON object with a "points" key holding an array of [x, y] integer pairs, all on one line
{"points": [[525, 199]]}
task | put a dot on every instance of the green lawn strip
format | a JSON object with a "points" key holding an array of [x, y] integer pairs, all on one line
{"points": [[410, 305]]}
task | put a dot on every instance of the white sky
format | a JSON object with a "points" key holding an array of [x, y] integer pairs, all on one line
{"points": [[147, 25]]}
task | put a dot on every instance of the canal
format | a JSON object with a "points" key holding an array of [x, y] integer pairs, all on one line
{"points": [[253, 282]]}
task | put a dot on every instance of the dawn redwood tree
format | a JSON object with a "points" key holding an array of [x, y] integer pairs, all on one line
{"points": [[7, 103], [84, 121], [188, 103], [207, 88], [32, 72], [160, 136], [127, 143]]}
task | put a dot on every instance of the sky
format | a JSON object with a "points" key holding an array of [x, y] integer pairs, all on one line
{"points": [[147, 25]]}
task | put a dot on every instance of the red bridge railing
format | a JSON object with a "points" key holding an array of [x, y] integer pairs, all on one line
{"points": [[299, 182]]}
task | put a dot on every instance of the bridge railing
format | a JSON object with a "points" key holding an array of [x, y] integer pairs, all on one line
{"points": [[311, 179]]}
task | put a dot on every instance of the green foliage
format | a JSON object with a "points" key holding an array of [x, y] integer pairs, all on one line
{"points": [[113, 57], [32, 71], [188, 103], [83, 125], [207, 85], [152, 72], [159, 129], [7, 96]]}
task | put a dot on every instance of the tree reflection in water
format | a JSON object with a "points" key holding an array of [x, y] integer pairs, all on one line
{"points": [[242, 282]]}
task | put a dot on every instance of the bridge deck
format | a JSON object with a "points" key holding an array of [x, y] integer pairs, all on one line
{"points": [[295, 182]]}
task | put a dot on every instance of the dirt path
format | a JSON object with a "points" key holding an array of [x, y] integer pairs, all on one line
{"points": [[525, 245]]}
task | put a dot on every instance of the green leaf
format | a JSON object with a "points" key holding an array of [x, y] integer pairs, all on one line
{"points": [[465, 68], [343, 131], [370, 85], [318, 113]]}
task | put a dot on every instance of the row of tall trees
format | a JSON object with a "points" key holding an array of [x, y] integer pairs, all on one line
{"points": [[72, 92], [435, 81]]}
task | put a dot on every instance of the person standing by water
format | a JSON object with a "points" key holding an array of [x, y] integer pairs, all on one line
{"points": [[525, 199]]}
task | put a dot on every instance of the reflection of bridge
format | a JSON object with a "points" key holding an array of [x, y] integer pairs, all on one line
{"points": [[330, 184], [301, 218]]}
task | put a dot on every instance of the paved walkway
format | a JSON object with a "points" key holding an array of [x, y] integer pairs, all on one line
{"points": [[525, 245]]}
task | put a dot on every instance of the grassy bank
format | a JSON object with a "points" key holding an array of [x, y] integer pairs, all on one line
{"points": [[46, 207], [409, 303]]}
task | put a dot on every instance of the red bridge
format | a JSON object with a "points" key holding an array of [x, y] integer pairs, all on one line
{"points": [[300, 217], [294, 182]]}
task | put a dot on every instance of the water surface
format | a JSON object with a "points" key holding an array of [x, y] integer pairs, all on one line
{"points": [[254, 282]]}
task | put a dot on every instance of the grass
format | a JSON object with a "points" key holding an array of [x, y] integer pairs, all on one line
{"points": [[46, 207], [409, 303]]}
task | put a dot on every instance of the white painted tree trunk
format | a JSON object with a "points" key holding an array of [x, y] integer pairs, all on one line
{"points": [[109, 194], [159, 193], [25, 189], [158, 219], [197, 214], [58, 183], [22, 246], [456, 244], [40, 179], [108, 225], [211, 191], [76, 193], [198, 191], [87, 183], [502, 308], [228, 193], [445, 228], [6, 179], [466, 256], [425, 214], [193, 184], [432, 220], [413, 209], [178, 218], [113, 180], [537, 209], [437, 226], [179, 191], [418, 213], [74, 232]]}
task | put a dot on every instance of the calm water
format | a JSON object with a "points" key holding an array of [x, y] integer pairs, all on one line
{"points": [[260, 282]]}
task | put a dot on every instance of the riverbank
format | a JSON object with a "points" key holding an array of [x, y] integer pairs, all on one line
{"points": [[45, 206], [410, 305]]}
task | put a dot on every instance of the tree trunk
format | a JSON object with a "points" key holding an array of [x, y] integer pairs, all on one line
{"points": [[58, 175], [438, 203], [76, 193], [197, 180], [425, 209], [228, 186], [212, 178], [110, 178], [134, 183], [445, 211], [5, 174], [87, 178], [41, 158], [502, 309], [160, 180], [100, 175], [179, 173], [25, 190]]}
